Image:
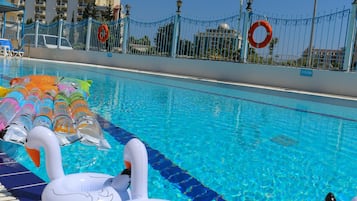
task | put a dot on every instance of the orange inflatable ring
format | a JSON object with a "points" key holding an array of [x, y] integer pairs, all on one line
{"points": [[268, 37], [103, 37]]}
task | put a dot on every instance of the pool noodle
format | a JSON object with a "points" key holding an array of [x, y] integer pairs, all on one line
{"points": [[10, 106], [62, 121], [86, 123], [45, 113]]}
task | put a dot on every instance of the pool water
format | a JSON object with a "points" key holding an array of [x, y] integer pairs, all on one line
{"points": [[244, 143]]}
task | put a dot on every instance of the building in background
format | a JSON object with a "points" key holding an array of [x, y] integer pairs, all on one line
{"points": [[47, 11], [107, 2], [219, 43], [325, 58], [16, 15]]}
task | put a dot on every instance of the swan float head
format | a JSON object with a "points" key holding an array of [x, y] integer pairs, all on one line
{"points": [[90, 186]]}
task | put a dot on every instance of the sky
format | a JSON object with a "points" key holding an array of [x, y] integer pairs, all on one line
{"points": [[152, 10]]}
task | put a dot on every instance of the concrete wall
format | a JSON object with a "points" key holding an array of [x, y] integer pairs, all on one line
{"points": [[319, 81]]}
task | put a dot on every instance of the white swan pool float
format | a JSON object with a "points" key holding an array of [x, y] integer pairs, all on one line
{"points": [[89, 186]]}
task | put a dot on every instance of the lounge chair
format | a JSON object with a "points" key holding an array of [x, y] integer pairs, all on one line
{"points": [[5, 47], [16, 50]]}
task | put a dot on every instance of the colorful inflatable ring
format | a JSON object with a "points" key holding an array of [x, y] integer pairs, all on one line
{"points": [[103, 37], [268, 37]]}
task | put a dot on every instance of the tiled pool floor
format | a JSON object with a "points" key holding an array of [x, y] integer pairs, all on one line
{"points": [[18, 181]]}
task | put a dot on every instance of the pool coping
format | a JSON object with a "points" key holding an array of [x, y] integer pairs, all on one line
{"points": [[193, 78]]}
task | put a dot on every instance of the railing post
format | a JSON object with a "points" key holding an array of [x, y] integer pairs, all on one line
{"points": [[4, 25], [18, 30], [244, 50], [312, 33], [23, 25], [60, 27], [125, 34], [350, 38], [88, 33], [37, 24], [175, 35]]}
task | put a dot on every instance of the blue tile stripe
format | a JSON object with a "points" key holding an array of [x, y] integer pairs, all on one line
{"points": [[186, 183], [18, 180]]}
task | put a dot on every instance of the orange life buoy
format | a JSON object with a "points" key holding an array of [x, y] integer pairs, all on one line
{"points": [[268, 37], [103, 37]]}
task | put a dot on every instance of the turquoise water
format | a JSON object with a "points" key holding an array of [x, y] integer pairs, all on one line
{"points": [[245, 144]]}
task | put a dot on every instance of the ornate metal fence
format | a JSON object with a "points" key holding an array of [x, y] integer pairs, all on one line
{"points": [[29, 28], [76, 34], [211, 39], [151, 38], [222, 39], [291, 39]]}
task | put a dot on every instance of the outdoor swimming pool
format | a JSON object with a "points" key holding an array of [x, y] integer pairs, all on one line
{"points": [[242, 143]]}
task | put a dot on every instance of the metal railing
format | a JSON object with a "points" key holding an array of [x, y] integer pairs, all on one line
{"points": [[291, 38], [221, 40]]}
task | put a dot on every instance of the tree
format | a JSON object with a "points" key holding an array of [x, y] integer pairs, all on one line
{"points": [[272, 44], [254, 57], [56, 18], [29, 21], [163, 38], [72, 30], [90, 11], [108, 14], [72, 20], [140, 43], [185, 47]]}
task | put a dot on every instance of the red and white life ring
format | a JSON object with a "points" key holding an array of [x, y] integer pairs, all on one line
{"points": [[103, 37], [268, 37]]}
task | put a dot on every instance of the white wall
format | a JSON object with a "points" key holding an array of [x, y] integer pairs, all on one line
{"points": [[321, 81]]}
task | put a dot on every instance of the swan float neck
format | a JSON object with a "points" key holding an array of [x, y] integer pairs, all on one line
{"points": [[90, 186], [139, 189], [43, 137]]}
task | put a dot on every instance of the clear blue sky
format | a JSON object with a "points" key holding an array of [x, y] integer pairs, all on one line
{"points": [[207, 9]]}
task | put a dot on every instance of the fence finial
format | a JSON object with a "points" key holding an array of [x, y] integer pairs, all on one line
{"points": [[249, 5], [127, 7], [179, 4]]}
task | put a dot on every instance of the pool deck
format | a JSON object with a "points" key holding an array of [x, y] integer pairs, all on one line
{"points": [[5, 195]]}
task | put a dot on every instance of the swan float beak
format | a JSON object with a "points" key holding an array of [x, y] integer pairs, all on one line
{"points": [[34, 155], [127, 164]]}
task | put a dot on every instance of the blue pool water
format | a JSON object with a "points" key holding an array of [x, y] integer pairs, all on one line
{"points": [[242, 143]]}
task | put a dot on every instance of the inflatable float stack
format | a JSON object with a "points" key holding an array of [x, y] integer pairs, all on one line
{"points": [[48, 112], [57, 103]]}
